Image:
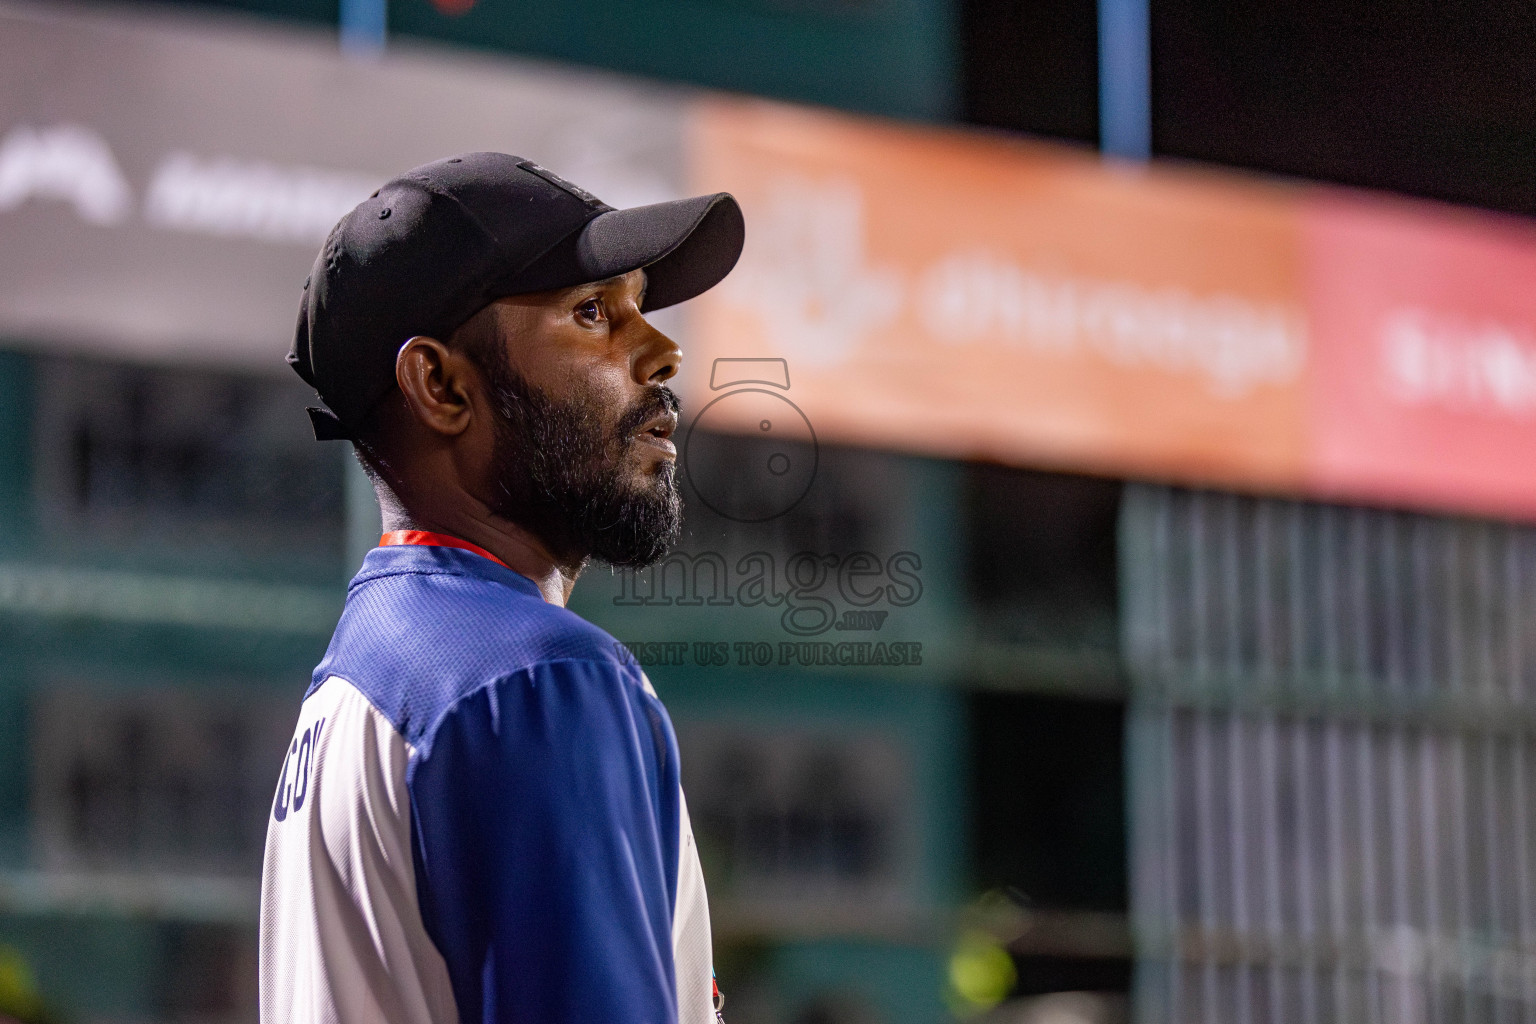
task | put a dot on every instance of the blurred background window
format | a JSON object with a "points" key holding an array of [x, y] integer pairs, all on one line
{"points": [[182, 463]]}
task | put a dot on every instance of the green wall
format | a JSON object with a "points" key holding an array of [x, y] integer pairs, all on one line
{"points": [[899, 58], [894, 57]]}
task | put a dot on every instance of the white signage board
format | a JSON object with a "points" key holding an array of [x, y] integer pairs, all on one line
{"points": [[166, 183]]}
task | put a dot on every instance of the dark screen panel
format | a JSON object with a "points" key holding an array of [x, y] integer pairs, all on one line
{"points": [[1031, 65], [1048, 800], [1041, 558], [1419, 96]]}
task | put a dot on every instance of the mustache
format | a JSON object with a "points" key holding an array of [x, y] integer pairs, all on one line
{"points": [[656, 402]]}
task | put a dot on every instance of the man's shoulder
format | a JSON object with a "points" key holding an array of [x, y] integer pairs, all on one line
{"points": [[417, 643]]}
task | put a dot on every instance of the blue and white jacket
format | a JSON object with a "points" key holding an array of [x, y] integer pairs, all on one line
{"points": [[479, 818]]}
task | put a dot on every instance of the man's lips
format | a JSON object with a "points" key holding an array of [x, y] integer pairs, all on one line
{"points": [[658, 433]]}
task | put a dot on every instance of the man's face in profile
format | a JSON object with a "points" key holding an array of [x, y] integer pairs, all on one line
{"points": [[582, 452]]}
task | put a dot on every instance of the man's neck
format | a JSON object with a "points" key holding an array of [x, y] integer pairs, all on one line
{"points": [[522, 552]]}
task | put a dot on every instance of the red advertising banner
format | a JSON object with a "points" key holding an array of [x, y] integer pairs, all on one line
{"points": [[1424, 375]]}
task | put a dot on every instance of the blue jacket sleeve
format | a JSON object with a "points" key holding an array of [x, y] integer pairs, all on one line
{"points": [[545, 817]]}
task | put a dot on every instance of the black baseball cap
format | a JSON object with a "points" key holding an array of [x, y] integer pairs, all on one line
{"points": [[439, 243]]}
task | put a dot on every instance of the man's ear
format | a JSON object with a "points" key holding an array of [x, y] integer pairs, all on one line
{"points": [[437, 383]]}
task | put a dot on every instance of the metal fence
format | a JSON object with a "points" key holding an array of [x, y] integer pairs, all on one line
{"points": [[1332, 742]]}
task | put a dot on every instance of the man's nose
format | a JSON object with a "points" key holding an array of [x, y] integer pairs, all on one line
{"points": [[656, 357]]}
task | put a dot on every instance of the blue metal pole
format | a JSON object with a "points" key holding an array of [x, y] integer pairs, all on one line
{"points": [[1125, 79], [364, 25]]}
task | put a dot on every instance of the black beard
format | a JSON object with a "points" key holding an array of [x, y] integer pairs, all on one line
{"points": [[564, 474]]}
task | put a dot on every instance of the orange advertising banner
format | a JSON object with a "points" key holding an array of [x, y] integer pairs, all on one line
{"points": [[972, 296]]}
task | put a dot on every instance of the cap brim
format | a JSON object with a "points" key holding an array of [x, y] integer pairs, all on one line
{"points": [[685, 246]]}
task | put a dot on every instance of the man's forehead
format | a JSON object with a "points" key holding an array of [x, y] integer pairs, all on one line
{"points": [[633, 278], [635, 281]]}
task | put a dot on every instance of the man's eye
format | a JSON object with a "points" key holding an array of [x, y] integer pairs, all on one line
{"points": [[591, 310]]}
